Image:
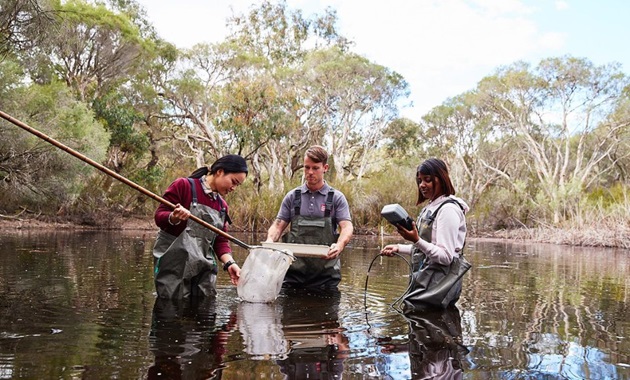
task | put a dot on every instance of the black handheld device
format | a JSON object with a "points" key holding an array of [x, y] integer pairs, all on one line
{"points": [[395, 214]]}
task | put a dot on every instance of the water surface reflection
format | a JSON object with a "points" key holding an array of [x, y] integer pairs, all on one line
{"points": [[82, 305], [434, 347], [188, 339]]}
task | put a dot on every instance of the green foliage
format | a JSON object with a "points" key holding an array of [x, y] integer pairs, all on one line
{"points": [[91, 48], [149, 177], [35, 174], [402, 137], [281, 35], [98, 15], [393, 184], [71, 122], [23, 24], [608, 197], [10, 75], [251, 211], [530, 145], [119, 118], [251, 112], [502, 208]]}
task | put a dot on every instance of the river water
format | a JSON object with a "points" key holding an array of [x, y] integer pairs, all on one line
{"points": [[82, 305]]}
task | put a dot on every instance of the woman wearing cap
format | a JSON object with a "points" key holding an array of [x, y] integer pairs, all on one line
{"points": [[187, 255]]}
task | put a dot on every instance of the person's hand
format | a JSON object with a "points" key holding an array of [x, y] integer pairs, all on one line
{"points": [[333, 251], [389, 250], [235, 273], [410, 235], [178, 215]]}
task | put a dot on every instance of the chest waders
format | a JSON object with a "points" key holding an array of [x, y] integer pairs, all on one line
{"points": [[186, 266], [435, 344], [433, 284], [310, 272]]}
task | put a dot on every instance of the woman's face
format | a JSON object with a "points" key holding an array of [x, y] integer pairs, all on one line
{"points": [[429, 186], [226, 183]]}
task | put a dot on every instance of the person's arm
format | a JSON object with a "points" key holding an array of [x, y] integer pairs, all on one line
{"points": [[231, 267], [228, 264], [282, 219], [345, 234], [178, 215], [344, 221], [390, 249], [170, 220], [409, 235], [224, 252], [276, 230]]}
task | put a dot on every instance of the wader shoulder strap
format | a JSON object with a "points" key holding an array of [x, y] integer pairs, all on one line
{"points": [[297, 201], [429, 219], [223, 212], [329, 202], [194, 191]]}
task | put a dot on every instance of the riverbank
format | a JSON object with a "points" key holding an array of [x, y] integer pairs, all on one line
{"points": [[587, 237], [20, 224]]}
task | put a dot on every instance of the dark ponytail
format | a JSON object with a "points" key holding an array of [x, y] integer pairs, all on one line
{"points": [[231, 163], [200, 172]]}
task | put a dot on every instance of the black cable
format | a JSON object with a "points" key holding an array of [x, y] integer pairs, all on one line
{"points": [[393, 305]]}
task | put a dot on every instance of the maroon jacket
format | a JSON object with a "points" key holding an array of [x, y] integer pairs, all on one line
{"points": [[179, 192]]}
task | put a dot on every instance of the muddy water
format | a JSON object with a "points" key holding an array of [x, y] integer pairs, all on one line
{"points": [[82, 305]]}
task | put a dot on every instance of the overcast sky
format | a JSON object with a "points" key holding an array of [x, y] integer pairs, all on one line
{"points": [[441, 47]]}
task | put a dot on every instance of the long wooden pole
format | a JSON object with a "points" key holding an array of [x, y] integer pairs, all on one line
{"points": [[118, 177]]}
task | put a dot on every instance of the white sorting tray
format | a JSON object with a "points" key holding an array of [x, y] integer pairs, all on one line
{"points": [[300, 250]]}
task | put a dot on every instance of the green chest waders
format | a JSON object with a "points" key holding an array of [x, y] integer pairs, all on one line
{"points": [[433, 284], [185, 266], [308, 272]]}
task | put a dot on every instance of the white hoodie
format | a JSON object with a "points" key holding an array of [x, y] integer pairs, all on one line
{"points": [[449, 231]]}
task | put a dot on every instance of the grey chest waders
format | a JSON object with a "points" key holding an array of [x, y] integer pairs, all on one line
{"points": [[186, 266], [433, 284]]}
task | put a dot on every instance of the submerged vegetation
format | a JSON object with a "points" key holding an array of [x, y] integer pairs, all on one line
{"points": [[539, 152]]}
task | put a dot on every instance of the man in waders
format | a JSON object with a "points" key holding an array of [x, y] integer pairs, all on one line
{"points": [[316, 212]]}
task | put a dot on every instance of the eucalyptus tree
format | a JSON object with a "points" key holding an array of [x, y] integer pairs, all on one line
{"points": [[461, 134], [23, 23], [191, 88], [280, 37], [340, 99], [619, 156], [279, 83], [239, 96], [254, 115], [92, 49], [559, 116], [354, 101], [95, 50], [103, 52], [277, 41], [402, 138]]}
